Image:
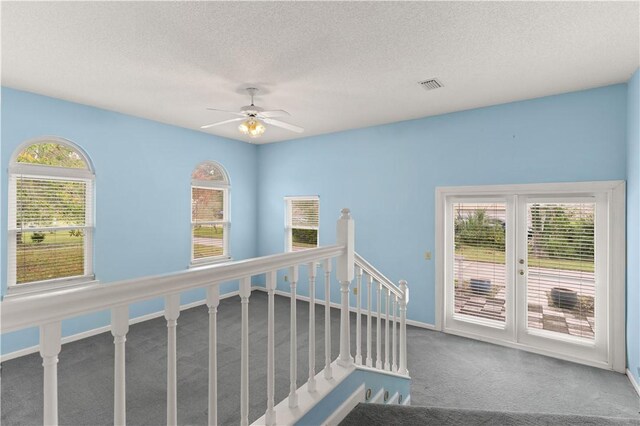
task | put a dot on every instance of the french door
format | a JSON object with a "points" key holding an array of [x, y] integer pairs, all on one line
{"points": [[534, 268]]}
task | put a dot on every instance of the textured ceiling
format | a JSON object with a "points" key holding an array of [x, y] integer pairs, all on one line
{"points": [[333, 66]]}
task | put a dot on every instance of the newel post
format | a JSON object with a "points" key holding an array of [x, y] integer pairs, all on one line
{"points": [[402, 368], [345, 236]]}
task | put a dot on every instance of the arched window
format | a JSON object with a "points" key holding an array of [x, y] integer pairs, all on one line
{"points": [[209, 213], [51, 220]]}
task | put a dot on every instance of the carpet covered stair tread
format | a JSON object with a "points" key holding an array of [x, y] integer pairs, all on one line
{"points": [[389, 415]]}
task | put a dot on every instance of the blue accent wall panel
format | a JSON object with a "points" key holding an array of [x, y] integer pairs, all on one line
{"points": [[143, 199]]}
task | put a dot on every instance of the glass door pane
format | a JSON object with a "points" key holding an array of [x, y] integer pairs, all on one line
{"points": [[561, 268], [479, 267]]}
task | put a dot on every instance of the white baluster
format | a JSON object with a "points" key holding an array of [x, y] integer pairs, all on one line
{"points": [[379, 328], [119, 329], [327, 319], [394, 348], [345, 359], [50, 335], [311, 384], [387, 365], [358, 315], [369, 300], [245, 293], [293, 348], [345, 236], [270, 415], [402, 368], [171, 314], [213, 300]]}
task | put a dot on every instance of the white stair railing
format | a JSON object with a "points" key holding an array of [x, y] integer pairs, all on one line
{"points": [[48, 311], [394, 297]]}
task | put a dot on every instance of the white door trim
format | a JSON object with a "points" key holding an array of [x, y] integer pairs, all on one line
{"points": [[615, 256]]}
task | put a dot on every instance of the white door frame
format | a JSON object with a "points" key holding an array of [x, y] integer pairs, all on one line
{"points": [[615, 258]]}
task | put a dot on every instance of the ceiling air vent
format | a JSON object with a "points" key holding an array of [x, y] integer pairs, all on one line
{"points": [[430, 84]]}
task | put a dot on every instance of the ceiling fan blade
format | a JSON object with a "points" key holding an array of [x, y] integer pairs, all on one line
{"points": [[284, 125], [273, 113], [229, 112], [222, 122]]}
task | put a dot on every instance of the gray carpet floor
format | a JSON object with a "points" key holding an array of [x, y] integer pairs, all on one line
{"points": [[447, 371], [374, 414]]}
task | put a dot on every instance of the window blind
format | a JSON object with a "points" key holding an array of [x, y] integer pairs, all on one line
{"points": [[304, 214], [209, 227], [479, 260], [561, 267], [50, 223], [303, 223]]}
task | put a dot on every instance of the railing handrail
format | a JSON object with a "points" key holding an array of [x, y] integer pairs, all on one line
{"points": [[28, 310], [377, 275]]}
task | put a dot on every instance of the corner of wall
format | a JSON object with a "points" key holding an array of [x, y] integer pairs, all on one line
{"points": [[633, 225]]}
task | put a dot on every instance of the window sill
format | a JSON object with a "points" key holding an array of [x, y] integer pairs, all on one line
{"points": [[42, 287], [209, 262]]}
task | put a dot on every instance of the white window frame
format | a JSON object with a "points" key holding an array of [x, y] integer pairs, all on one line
{"points": [[25, 170], [288, 228], [225, 187], [614, 191]]}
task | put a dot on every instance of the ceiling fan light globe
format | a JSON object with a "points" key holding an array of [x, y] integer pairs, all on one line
{"points": [[257, 130], [252, 127], [244, 127]]}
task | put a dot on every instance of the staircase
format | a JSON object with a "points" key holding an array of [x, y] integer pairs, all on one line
{"points": [[326, 397]]}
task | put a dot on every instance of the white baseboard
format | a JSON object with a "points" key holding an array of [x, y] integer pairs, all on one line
{"points": [[100, 330], [346, 407], [633, 381], [420, 324], [351, 308]]}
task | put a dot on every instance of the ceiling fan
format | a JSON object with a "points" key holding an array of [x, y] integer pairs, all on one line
{"points": [[253, 117]]}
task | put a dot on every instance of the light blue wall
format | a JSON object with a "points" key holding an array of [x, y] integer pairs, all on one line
{"points": [[633, 225], [143, 173], [387, 174]]}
